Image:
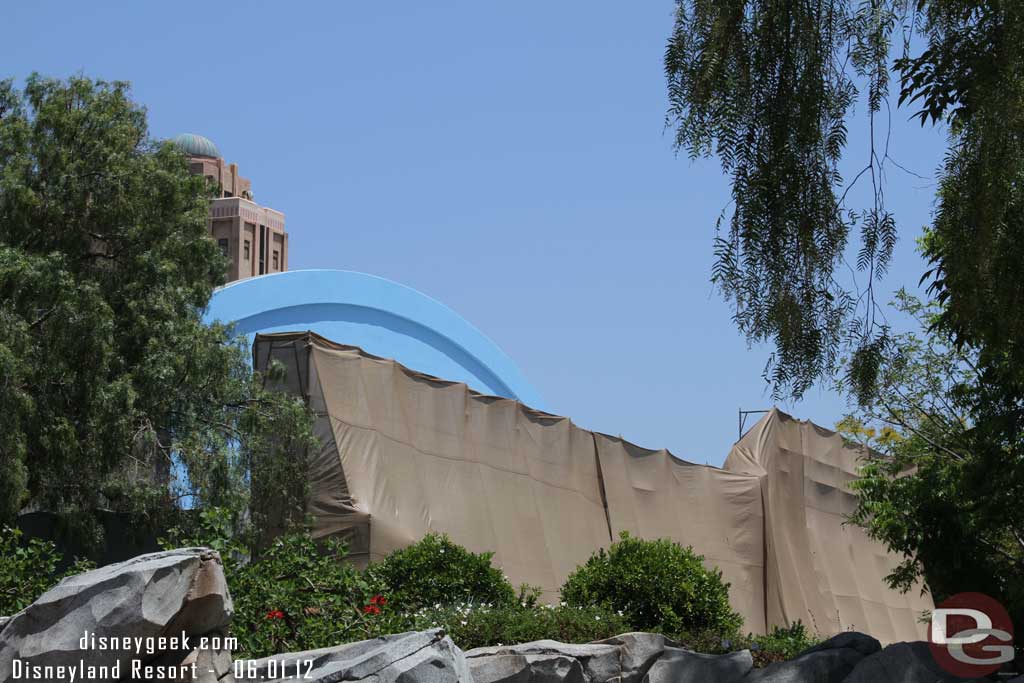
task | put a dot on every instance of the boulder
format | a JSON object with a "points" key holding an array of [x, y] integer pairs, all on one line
{"points": [[829, 662], [628, 658], [524, 668], [901, 663], [415, 657], [637, 652], [677, 665], [542, 659], [179, 593]]}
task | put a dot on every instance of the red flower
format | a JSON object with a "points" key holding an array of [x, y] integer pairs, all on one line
{"points": [[378, 600], [275, 614], [371, 609]]}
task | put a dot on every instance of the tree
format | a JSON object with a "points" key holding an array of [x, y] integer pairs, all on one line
{"points": [[112, 390], [944, 496], [769, 88]]}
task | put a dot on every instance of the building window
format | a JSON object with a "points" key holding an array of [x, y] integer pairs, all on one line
{"points": [[263, 249], [223, 244], [276, 262], [245, 250]]}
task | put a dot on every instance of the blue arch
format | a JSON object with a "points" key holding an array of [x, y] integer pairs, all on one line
{"points": [[378, 315]]}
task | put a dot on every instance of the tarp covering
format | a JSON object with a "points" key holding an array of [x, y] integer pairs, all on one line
{"points": [[403, 454], [652, 494], [420, 454], [828, 574]]}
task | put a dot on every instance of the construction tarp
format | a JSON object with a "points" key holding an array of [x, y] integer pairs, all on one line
{"points": [[819, 569], [652, 494], [418, 454], [403, 454]]}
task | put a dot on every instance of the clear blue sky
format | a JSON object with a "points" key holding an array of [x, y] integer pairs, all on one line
{"points": [[509, 159]]}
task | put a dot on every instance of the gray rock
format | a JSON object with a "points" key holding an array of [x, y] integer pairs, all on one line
{"points": [[628, 658], [851, 640], [637, 652], [901, 663], [415, 657], [598, 662], [829, 662], [677, 665], [518, 668], [160, 594]]}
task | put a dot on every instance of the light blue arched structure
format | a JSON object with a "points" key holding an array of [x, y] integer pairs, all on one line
{"points": [[380, 316]]}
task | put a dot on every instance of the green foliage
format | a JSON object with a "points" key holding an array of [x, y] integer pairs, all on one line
{"points": [[295, 597], [657, 585], [779, 645], [943, 497], [472, 625], [770, 87], [436, 571], [110, 375], [28, 569]]}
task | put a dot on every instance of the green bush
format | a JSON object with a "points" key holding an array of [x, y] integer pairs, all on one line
{"points": [[297, 596], [658, 586], [436, 571], [481, 626], [27, 570], [779, 645]]}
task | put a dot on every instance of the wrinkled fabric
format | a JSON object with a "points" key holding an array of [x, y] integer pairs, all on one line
{"points": [[403, 454]]}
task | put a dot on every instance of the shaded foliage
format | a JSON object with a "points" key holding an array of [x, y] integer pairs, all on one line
{"points": [[28, 568], [113, 392], [944, 493], [769, 88]]}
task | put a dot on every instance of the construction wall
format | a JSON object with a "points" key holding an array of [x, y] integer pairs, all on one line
{"points": [[818, 569], [404, 454]]}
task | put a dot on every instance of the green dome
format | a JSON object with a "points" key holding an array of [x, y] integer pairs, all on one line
{"points": [[196, 145]]}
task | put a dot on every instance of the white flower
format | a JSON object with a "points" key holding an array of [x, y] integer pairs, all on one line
{"points": [[562, 603], [597, 617], [442, 551], [463, 622]]}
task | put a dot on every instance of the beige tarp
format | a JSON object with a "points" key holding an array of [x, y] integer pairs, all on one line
{"points": [[828, 574], [421, 454], [652, 494], [403, 454]]}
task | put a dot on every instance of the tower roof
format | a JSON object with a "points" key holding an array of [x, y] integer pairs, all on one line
{"points": [[196, 145]]}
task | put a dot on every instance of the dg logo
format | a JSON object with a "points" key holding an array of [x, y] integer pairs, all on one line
{"points": [[971, 635]]}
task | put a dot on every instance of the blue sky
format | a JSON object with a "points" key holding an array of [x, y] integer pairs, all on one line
{"points": [[508, 159]]}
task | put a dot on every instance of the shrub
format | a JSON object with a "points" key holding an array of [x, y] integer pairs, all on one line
{"points": [[658, 586], [481, 626], [27, 570], [779, 645], [297, 596], [436, 571]]}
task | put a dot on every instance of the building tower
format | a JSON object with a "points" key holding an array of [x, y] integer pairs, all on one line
{"points": [[250, 235]]}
